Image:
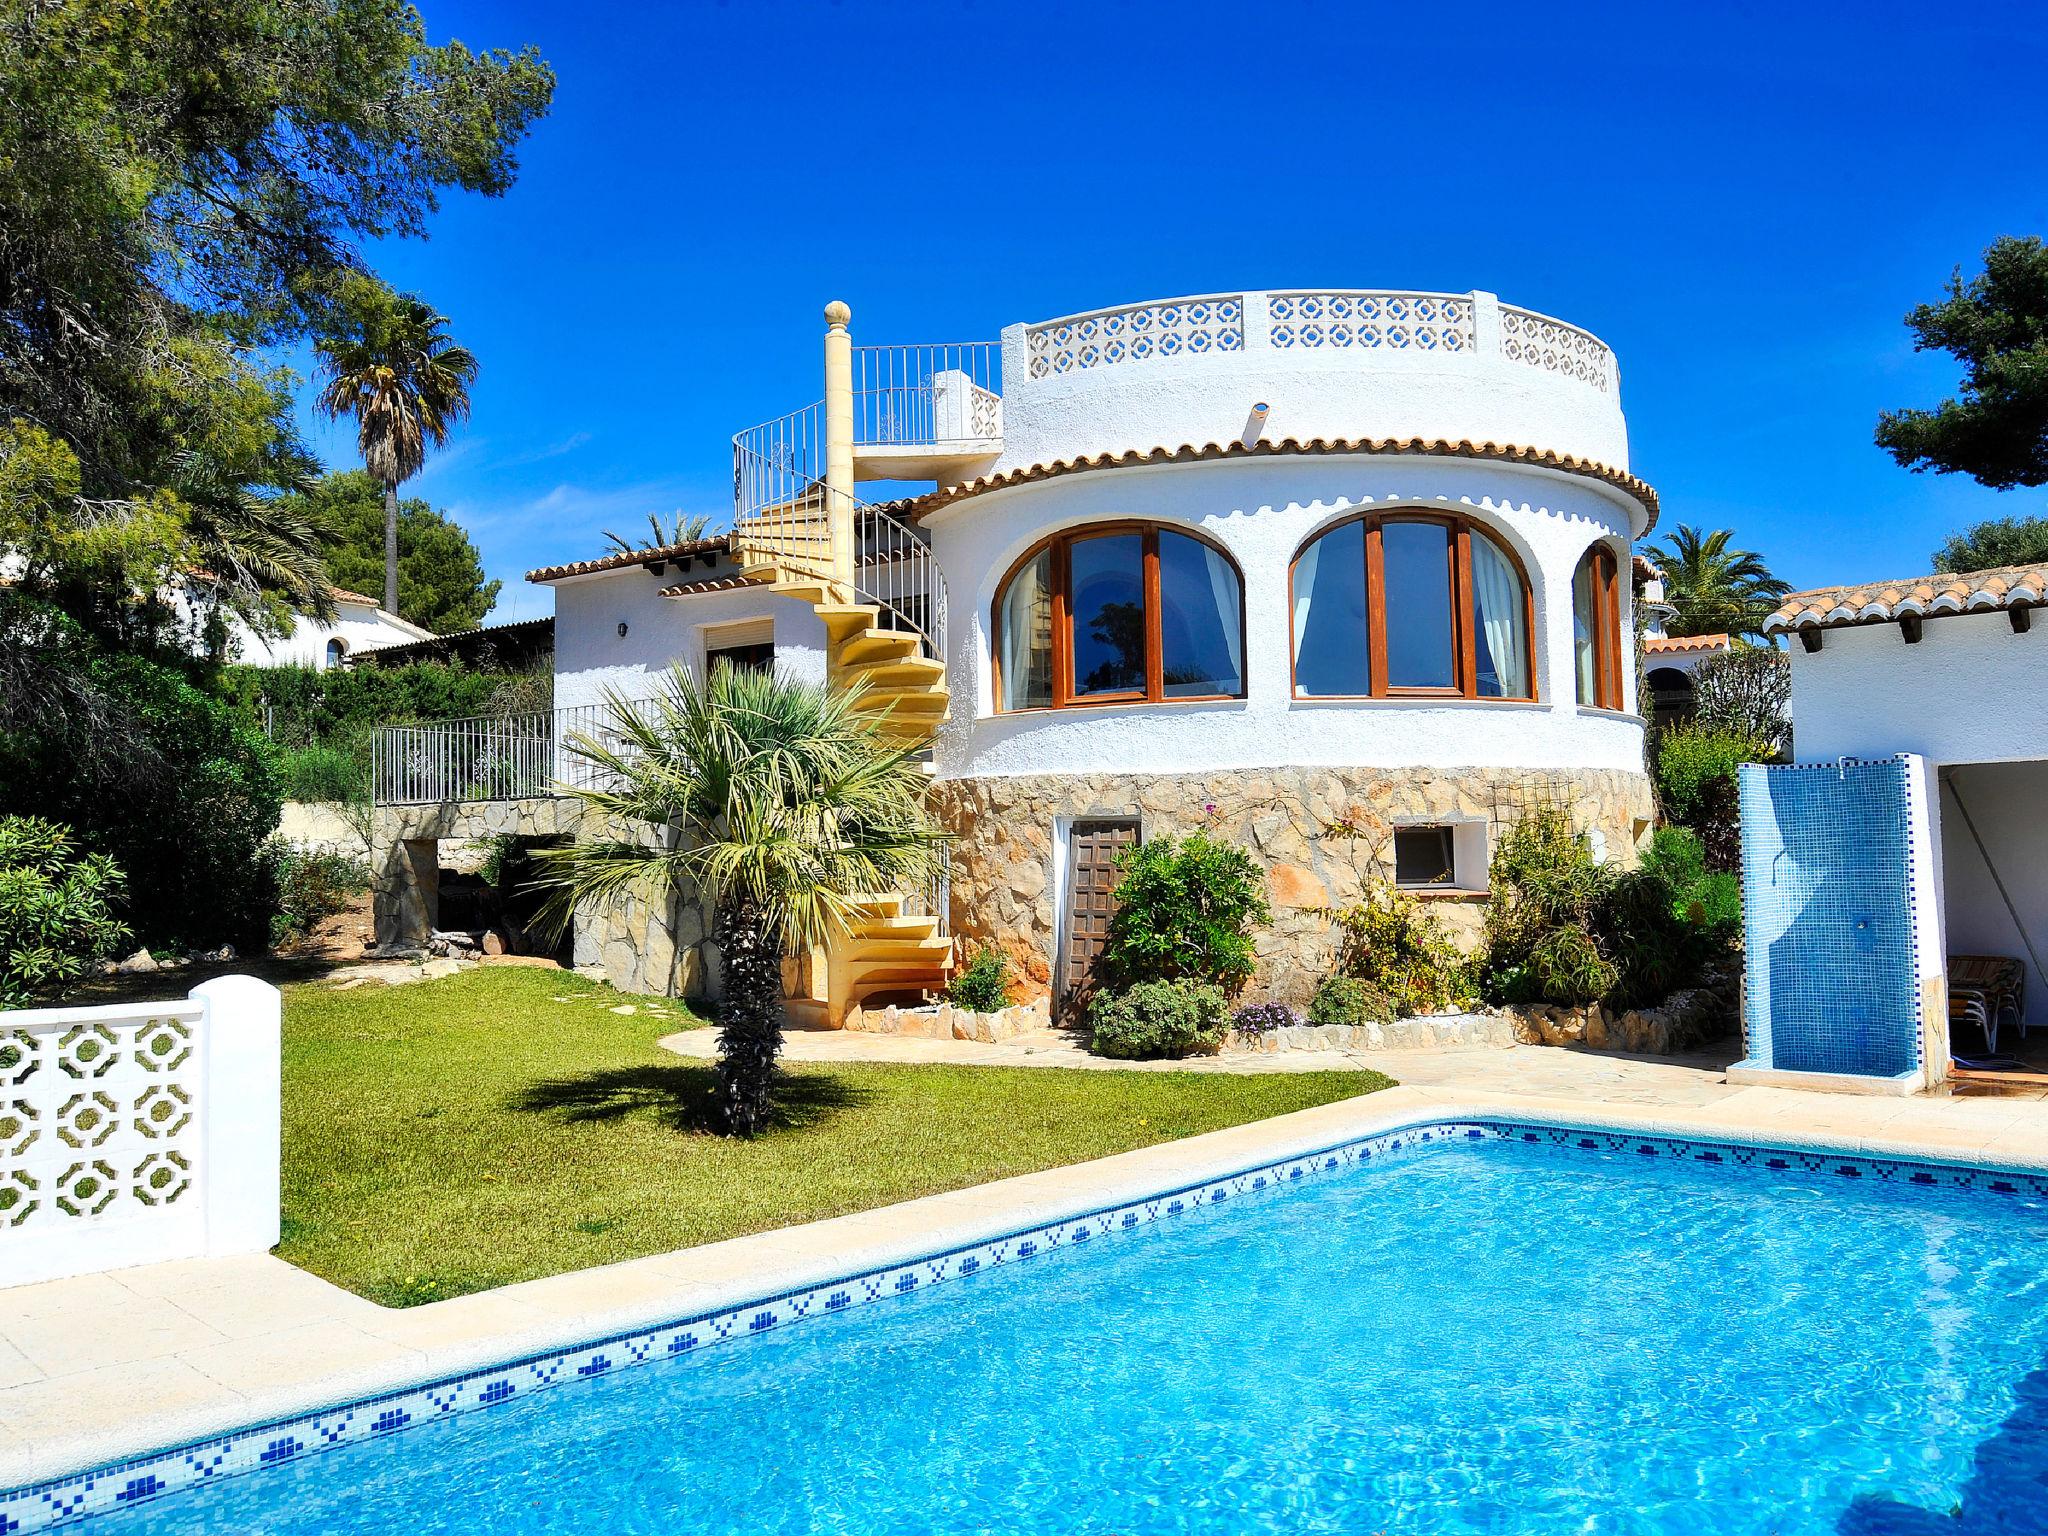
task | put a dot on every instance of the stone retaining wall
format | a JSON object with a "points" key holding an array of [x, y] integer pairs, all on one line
{"points": [[943, 1021], [1319, 833], [642, 946], [1444, 1031]]}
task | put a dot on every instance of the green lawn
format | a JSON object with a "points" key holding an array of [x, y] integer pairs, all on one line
{"points": [[450, 1136]]}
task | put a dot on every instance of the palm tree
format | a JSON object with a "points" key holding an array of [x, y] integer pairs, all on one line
{"points": [[253, 546], [687, 530], [778, 803], [1715, 588], [406, 382]]}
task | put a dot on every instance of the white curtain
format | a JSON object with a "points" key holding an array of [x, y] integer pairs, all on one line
{"points": [[1229, 600], [1501, 611], [1304, 592], [1582, 633], [1026, 640]]}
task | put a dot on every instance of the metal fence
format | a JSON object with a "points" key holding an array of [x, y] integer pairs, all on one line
{"points": [[508, 757]]}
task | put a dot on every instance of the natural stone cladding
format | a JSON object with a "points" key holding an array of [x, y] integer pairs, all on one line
{"points": [[1319, 833]]}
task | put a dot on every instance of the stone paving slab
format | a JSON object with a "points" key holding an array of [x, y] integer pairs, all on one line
{"points": [[104, 1367]]}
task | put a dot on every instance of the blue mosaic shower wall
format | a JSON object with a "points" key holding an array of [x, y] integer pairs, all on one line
{"points": [[1827, 897]]}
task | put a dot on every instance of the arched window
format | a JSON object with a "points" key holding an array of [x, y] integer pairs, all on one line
{"points": [[337, 649], [1596, 629], [1408, 604], [1116, 613]]}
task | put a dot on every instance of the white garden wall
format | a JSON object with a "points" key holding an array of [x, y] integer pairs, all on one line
{"points": [[1262, 510], [140, 1132]]}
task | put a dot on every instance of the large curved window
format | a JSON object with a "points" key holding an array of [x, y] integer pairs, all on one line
{"points": [[1121, 613], [1395, 605], [1596, 629]]}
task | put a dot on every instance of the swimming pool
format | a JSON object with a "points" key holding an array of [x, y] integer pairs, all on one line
{"points": [[1482, 1327]]}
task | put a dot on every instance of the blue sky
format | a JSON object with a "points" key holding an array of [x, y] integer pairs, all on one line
{"points": [[1743, 202]]}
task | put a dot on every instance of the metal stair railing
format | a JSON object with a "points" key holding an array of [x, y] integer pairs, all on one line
{"points": [[784, 510]]}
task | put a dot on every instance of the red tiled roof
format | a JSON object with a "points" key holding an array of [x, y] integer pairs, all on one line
{"points": [[1943, 594], [730, 583], [1189, 453], [1681, 645], [711, 546], [343, 595]]}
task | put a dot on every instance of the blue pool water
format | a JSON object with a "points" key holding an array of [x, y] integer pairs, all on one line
{"points": [[1484, 1337]]}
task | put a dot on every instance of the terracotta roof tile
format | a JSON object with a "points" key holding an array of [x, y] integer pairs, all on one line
{"points": [[343, 595], [712, 546], [731, 583], [1943, 594], [1683, 645], [1189, 453]]}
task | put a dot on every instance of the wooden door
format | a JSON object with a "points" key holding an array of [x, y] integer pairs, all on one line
{"points": [[1092, 875]]}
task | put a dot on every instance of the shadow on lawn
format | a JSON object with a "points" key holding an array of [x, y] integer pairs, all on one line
{"points": [[682, 1097]]}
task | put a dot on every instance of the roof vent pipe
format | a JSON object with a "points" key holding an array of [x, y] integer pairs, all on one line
{"points": [[1254, 425]]}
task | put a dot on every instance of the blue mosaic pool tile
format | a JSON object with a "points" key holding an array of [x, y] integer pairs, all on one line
{"points": [[27, 1511]]}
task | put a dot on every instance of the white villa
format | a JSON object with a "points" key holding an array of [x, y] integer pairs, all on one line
{"points": [[359, 624], [1337, 575]]}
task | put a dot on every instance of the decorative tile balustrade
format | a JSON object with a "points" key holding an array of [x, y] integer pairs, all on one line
{"points": [[1135, 333], [1393, 322], [1555, 347]]}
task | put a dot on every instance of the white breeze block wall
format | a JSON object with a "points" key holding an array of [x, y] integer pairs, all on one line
{"points": [[139, 1132], [1332, 364], [1970, 692]]}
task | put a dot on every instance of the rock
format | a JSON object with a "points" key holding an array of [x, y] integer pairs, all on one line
{"points": [[623, 1008], [1293, 886], [537, 962], [141, 963], [446, 965], [495, 943]]}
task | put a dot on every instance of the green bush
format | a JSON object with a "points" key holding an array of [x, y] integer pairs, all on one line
{"points": [[1696, 785], [1157, 1019], [57, 904], [1186, 911], [324, 775], [172, 785], [1397, 947], [1563, 929], [1347, 1000], [302, 707], [983, 984], [310, 886]]}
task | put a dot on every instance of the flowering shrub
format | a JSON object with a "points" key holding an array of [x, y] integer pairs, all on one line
{"points": [[1186, 910], [1400, 951], [1260, 1019]]}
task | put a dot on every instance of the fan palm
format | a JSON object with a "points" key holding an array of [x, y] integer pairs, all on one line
{"points": [[687, 530], [1713, 587], [406, 382], [778, 804]]}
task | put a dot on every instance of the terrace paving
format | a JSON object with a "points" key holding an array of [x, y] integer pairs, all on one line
{"points": [[104, 1367]]}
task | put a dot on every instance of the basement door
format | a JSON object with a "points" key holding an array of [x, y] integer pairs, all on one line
{"points": [[1092, 849]]}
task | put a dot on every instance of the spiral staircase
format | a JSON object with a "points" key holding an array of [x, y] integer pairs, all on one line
{"points": [[900, 413]]}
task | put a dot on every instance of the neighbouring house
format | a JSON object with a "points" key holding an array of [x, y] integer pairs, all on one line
{"points": [[358, 625], [1336, 575], [513, 647], [1908, 846]]}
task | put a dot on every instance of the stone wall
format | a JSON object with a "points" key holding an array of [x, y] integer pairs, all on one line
{"points": [[640, 946], [313, 827], [1319, 833]]}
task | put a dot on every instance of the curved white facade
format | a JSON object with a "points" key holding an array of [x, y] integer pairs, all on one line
{"points": [[1261, 511], [1351, 364]]}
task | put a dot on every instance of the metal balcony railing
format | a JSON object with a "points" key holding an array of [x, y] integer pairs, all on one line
{"points": [[939, 393], [509, 757]]}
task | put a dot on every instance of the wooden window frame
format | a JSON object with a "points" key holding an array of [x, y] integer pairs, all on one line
{"points": [[1154, 692], [1464, 613], [1607, 679]]}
